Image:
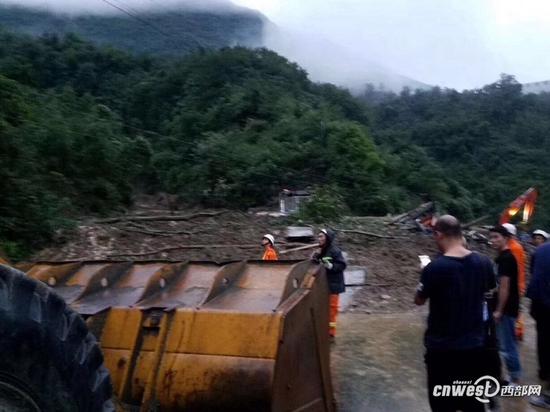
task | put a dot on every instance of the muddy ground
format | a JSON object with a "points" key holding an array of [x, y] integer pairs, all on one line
{"points": [[377, 360], [391, 264]]}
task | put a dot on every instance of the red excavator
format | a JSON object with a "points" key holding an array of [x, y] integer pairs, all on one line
{"points": [[526, 202]]}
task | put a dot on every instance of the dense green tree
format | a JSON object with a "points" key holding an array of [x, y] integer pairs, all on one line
{"points": [[83, 129], [492, 142], [60, 157]]}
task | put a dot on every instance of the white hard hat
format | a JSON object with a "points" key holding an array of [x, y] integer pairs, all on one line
{"points": [[541, 233], [510, 228], [270, 238]]}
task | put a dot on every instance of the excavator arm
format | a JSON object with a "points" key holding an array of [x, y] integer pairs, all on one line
{"points": [[526, 202]]}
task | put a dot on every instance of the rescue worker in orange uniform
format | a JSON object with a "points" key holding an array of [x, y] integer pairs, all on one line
{"points": [[519, 254], [331, 257], [268, 241]]}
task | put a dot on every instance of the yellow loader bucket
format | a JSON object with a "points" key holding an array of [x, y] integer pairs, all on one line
{"points": [[198, 336]]}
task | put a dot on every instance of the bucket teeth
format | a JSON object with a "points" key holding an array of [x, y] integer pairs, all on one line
{"points": [[248, 335]]}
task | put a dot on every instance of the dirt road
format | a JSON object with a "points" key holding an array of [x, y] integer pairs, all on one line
{"points": [[377, 364]]}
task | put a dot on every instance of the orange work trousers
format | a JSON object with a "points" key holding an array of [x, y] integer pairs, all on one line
{"points": [[333, 313]]}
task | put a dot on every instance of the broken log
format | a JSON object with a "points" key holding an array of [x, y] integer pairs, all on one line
{"points": [[168, 249], [148, 231], [397, 218], [144, 232], [159, 218], [296, 249], [414, 213]]}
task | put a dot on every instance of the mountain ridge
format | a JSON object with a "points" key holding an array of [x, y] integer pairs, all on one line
{"points": [[165, 32], [176, 31]]}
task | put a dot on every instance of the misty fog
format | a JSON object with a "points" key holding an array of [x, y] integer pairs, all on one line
{"points": [[452, 43], [103, 7]]}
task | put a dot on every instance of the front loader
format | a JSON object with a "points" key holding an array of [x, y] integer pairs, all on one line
{"points": [[200, 336]]}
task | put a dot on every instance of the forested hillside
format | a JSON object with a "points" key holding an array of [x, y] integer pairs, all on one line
{"points": [[494, 140], [171, 32], [83, 129]]}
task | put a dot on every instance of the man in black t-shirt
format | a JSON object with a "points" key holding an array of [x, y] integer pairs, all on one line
{"points": [[507, 309], [456, 338]]}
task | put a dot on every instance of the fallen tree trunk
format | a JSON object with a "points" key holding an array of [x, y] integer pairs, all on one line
{"points": [[168, 249], [153, 232], [297, 249], [145, 232], [414, 213], [397, 218], [159, 218]]}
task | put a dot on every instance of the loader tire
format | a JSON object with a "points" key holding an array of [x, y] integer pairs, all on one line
{"points": [[49, 361]]}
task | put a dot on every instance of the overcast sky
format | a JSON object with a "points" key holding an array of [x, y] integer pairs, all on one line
{"points": [[452, 43]]}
